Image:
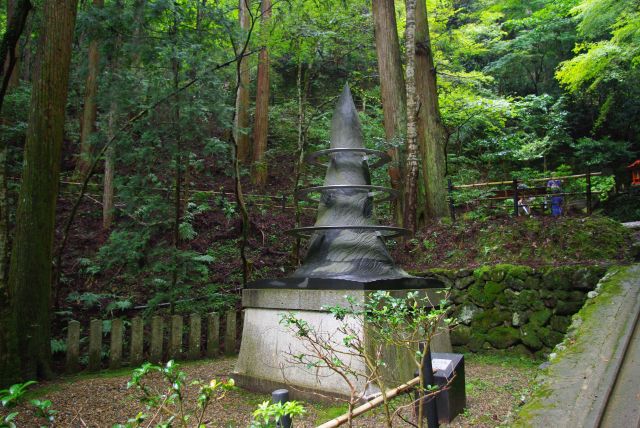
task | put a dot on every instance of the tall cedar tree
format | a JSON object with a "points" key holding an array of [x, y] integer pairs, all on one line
{"points": [[392, 88], [261, 125], [411, 177], [432, 135], [242, 97], [30, 267], [17, 12], [90, 110]]}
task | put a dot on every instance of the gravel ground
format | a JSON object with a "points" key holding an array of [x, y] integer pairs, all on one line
{"points": [[496, 386]]}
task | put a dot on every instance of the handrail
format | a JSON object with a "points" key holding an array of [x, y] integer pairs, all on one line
{"points": [[500, 183], [343, 419]]}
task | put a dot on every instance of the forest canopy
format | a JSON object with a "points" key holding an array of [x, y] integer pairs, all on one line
{"points": [[164, 130]]}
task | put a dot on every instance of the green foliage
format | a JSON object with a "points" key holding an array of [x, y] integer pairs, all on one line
{"points": [[11, 396], [170, 406], [267, 415]]}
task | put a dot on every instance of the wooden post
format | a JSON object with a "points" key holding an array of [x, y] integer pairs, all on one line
{"points": [[230, 333], [95, 345], [115, 351], [73, 346], [157, 337], [213, 334], [194, 336], [452, 207], [589, 209], [515, 197], [175, 339], [137, 334]]}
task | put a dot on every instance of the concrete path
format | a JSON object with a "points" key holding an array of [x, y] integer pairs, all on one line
{"points": [[594, 381]]}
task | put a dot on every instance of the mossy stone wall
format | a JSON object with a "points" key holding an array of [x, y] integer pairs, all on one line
{"points": [[515, 307]]}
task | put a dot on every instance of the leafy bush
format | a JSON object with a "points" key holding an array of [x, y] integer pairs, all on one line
{"points": [[168, 405]]}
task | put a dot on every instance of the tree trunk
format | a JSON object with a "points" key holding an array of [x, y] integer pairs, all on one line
{"points": [[261, 125], [17, 12], [30, 268], [12, 73], [432, 135], [177, 191], [411, 177], [90, 110], [109, 171], [392, 89], [241, 128]]}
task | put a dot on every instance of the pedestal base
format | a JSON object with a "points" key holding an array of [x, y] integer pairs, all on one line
{"points": [[267, 353]]}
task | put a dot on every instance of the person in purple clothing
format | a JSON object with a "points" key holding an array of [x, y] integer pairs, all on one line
{"points": [[555, 187]]}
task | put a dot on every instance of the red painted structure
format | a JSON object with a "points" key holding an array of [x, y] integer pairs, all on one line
{"points": [[635, 173]]}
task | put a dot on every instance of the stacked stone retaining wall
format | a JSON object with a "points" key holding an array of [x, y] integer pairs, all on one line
{"points": [[515, 307]]}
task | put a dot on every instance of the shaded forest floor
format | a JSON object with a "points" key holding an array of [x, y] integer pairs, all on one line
{"points": [[89, 284], [496, 386]]}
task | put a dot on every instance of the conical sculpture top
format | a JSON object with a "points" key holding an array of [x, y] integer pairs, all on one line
{"points": [[351, 247]]}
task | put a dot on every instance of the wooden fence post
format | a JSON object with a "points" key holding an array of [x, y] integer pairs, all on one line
{"points": [[157, 337], [230, 333], [589, 209], [175, 339], [452, 206], [115, 351], [73, 346], [515, 197], [195, 329], [137, 334], [95, 345], [213, 334]]}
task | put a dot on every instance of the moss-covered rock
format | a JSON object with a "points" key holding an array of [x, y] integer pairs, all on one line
{"points": [[519, 318], [485, 294], [529, 336], [486, 320], [507, 298], [467, 313], [483, 273], [550, 337], [460, 335], [476, 341], [528, 299], [540, 317], [532, 282], [503, 337], [517, 271], [576, 296], [464, 282], [567, 307], [520, 349], [497, 274], [560, 323], [586, 278], [560, 278], [514, 283], [537, 303]]}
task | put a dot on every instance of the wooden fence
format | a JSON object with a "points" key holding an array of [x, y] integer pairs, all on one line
{"points": [[514, 191], [170, 331]]}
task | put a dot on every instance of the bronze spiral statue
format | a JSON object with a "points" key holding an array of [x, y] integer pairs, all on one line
{"points": [[346, 241]]}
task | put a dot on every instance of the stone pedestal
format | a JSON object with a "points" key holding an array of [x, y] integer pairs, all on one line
{"points": [[266, 355]]}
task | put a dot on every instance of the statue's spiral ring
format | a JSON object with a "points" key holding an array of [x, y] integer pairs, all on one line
{"points": [[384, 231], [303, 194], [313, 158]]}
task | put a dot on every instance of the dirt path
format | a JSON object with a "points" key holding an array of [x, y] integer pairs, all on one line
{"points": [[494, 389]]}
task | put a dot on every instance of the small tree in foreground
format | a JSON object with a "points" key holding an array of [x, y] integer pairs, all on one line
{"points": [[168, 405], [403, 322]]}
